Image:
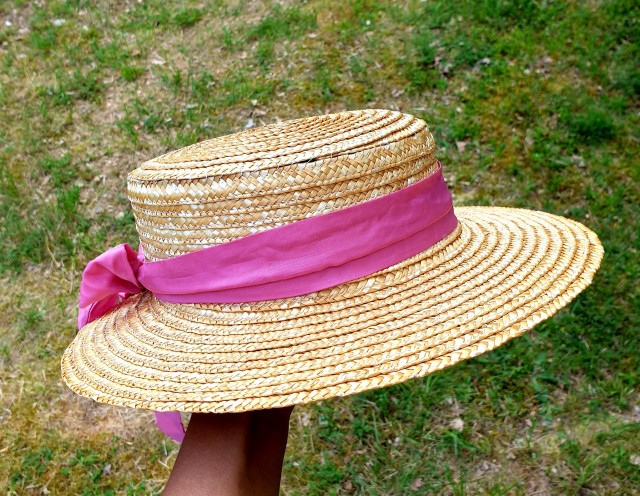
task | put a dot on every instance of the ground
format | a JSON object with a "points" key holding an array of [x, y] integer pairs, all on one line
{"points": [[532, 104]]}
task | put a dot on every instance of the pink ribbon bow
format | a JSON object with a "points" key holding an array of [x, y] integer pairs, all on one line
{"points": [[106, 281], [294, 259]]}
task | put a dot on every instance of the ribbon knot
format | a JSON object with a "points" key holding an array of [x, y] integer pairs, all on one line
{"points": [[107, 280]]}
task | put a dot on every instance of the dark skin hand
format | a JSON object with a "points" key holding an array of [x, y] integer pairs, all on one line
{"points": [[231, 454]]}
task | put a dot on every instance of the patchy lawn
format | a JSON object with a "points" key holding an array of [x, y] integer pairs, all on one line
{"points": [[532, 104]]}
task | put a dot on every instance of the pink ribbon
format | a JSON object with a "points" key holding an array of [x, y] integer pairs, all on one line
{"points": [[291, 260]]}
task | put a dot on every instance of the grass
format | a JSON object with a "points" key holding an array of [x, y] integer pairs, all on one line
{"points": [[533, 104]]}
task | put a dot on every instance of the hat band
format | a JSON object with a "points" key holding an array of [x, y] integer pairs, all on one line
{"points": [[311, 254], [290, 260]]}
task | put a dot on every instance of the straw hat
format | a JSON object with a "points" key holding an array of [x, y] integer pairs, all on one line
{"points": [[495, 276]]}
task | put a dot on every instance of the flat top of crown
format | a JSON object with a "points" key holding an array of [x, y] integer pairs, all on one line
{"points": [[281, 144]]}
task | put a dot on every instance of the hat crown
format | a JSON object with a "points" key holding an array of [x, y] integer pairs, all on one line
{"points": [[232, 186]]}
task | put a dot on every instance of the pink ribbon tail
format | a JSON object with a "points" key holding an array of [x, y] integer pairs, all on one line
{"points": [[170, 423]]}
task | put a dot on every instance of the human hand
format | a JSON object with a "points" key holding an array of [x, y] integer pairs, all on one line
{"points": [[231, 454]]}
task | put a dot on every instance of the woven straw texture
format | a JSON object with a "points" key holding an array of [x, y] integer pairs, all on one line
{"points": [[496, 276]]}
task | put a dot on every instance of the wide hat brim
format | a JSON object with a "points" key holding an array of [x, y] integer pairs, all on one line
{"points": [[496, 276]]}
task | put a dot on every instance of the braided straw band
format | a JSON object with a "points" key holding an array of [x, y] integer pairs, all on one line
{"points": [[291, 260]]}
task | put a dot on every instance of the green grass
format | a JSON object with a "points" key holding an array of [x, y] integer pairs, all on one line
{"points": [[532, 104]]}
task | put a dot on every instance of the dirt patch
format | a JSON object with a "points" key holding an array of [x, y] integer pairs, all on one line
{"points": [[78, 416], [538, 484]]}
